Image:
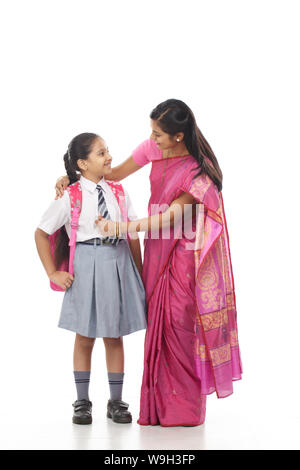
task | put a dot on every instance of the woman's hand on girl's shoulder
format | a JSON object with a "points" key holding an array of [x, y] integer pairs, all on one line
{"points": [[61, 184], [62, 279]]}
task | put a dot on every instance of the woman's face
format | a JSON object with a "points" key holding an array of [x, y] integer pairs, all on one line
{"points": [[163, 141]]}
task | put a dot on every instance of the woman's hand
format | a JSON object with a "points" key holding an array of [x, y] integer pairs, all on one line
{"points": [[107, 227], [62, 279], [61, 184]]}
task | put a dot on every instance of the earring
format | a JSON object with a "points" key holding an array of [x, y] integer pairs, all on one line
{"points": [[177, 140]]}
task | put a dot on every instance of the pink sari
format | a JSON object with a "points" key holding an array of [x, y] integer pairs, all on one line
{"points": [[191, 344]]}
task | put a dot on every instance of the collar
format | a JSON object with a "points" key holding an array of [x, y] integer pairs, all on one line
{"points": [[90, 185]]}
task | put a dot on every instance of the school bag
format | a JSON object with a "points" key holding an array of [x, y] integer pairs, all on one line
{"points": [[75, 194]]}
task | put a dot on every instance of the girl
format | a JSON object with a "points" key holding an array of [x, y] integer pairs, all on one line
{"points": [[191, 346], [105, 298]]}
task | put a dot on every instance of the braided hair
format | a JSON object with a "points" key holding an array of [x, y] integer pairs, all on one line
{"points": [[78, 148]]}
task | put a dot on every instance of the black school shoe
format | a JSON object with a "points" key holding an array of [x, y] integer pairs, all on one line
{"points": [[117, 410], [82, 412]]}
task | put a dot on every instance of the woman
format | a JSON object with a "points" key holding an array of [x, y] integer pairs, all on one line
{"points": [[191, 344]]}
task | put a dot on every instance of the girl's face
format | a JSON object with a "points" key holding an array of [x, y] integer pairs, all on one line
{"points": [[163, 140], [98, 163]]}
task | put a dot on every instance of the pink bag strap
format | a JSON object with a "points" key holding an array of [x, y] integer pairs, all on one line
{"points": [[119, 194], [75, 194]]}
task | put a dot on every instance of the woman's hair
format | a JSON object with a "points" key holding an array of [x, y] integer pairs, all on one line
{"points": [[78, 148], [175, 116]]}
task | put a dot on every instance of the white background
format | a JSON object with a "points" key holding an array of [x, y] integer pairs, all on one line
{"points": [[102, 66]]}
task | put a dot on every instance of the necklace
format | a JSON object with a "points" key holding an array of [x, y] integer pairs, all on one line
{"points": [[169, 153]]}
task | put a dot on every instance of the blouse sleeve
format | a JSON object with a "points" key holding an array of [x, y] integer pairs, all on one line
{"points": [[57, 214], [146, 152]]}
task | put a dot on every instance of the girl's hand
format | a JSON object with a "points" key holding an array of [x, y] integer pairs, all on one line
{"points": [[61, 184], [62, 279], [107, 227]]}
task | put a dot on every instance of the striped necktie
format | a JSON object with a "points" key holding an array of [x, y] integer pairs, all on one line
{"points": [[102, 210]]}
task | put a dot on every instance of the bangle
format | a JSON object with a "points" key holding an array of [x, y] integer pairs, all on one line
{"points": [[120, 230], [117, 230]]}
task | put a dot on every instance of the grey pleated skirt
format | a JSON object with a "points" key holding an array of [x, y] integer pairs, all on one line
{"points": [[107, 297]]}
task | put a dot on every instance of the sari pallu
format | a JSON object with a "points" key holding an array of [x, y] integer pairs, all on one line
{"points": [[191, 345]]}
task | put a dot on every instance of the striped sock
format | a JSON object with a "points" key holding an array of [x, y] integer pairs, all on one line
{"points": [[115, 380], [82, 381]]}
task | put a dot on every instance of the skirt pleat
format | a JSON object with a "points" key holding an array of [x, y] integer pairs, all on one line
{"points": [[107, 297]]}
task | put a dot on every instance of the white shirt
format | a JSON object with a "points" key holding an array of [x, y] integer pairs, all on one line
{"points": [[59, 211]]}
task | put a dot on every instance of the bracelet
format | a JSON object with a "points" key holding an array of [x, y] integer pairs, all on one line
{"points": [[117, 230]]}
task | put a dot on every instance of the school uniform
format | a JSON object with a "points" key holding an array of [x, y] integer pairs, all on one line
{"points": [[107, 297]]}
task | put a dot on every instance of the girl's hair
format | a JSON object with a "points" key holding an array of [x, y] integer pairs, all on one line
{"points": [[175, 116], [78, 148]]}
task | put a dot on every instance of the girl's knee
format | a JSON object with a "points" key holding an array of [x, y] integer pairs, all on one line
{"points": [[113, 342], [84, 341]]}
